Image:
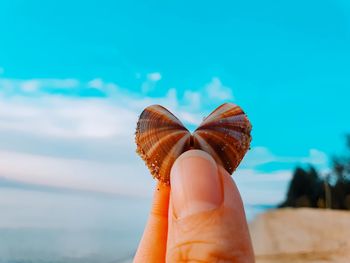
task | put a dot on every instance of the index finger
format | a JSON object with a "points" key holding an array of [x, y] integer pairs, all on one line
{"points": [[152, 247]]}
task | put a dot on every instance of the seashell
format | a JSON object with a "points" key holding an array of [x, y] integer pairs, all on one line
{"points": [[161, 138]]}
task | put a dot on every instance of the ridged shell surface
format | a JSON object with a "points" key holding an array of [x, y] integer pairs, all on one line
{"points": [[161, 138]]}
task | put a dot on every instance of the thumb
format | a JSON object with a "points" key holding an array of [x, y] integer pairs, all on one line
{"points": [[206, 216]]}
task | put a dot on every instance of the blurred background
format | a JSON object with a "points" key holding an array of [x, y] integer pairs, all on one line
{"points": [[75, 75]]}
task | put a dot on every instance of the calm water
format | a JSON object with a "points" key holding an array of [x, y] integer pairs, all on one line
{"points": [[49, 227]]}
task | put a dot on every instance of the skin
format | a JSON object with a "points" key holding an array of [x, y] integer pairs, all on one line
{"points": [[200, 218]]}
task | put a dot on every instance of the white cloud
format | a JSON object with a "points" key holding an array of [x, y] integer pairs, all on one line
{"points": [[155, 76], [122, 178], [109, 178], [258, 155], [81, 132], [261, 155], [59, 83], [30, 86], [172, 99], [109, 88], [316, 157], [216, 90], [89, 143], [36, 85], [96, 83], [258, 188], [193, 98], [151, 81], [64, 117], [190, 118]]}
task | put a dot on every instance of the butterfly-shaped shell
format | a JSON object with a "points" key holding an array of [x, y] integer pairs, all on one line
{"points": [[161, 138]]}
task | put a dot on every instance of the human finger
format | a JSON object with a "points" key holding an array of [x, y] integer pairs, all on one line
{"points": [[206, 223], [152, 247]]}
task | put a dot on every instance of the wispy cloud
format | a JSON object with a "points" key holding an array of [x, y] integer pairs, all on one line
{"points": [[216, 90], [151, 81], [193, 98], [29, 86], [109, 178], [37, 85], [74, 142], [65, 117], [211, 93], [87, 144], [121, 178], [155, 76], [109, 88], [260, 155]]}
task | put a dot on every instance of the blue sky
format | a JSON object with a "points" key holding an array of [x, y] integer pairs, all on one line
{"points": [[74, 75]]}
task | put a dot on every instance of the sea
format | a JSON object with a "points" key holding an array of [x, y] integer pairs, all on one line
{"points": [[56, 227]]}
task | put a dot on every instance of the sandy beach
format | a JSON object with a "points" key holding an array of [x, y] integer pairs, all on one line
{"points": [[301, 235]]}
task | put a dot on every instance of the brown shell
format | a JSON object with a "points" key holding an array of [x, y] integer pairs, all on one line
{"points": [[161, 138]]}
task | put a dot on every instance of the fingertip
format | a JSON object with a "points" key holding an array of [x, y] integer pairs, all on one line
{"points": [[195, 184], [209, 235], [196, 154]]}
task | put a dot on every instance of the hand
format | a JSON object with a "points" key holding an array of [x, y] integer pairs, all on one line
{"points": [[199, 219]]}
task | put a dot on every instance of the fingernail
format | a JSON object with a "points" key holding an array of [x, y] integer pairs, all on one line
{"points": [[195, 184]]}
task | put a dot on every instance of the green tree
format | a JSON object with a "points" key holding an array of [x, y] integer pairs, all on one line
{"points": [[308, 189]]}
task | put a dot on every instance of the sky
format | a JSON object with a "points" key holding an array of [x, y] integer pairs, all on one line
{"points": [[75, 75]]}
